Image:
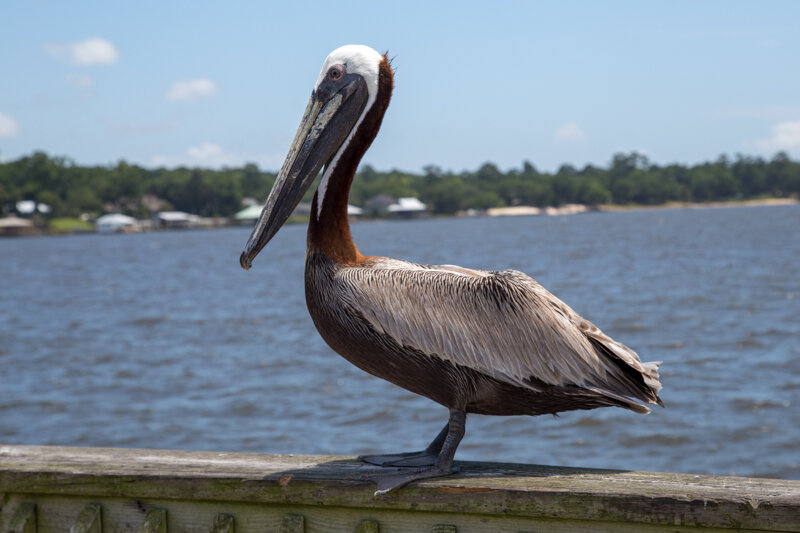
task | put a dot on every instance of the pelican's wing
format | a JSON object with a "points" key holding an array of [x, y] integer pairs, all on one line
{"points": [[503, 324]]}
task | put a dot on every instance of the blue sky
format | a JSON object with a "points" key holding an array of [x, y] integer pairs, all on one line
{"points": [[223, 83]]}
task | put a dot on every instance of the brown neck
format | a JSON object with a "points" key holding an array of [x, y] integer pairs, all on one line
{"points": [[328, 228]]}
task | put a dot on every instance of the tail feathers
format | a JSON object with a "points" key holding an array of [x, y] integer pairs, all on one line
{"points": [[649, 373], [622, 401], [650, 376], [642, 384], [637, 378]]}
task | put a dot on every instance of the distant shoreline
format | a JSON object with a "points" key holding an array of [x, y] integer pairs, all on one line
{"points": [[699, 205], [609, 208]]}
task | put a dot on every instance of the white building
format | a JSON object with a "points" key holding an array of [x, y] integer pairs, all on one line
{"points": [[115, 223], [29, 207], [248, 215], [408, 206]]}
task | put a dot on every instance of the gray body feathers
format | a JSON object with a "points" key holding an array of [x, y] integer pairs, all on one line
{"points": [[486, 342]]}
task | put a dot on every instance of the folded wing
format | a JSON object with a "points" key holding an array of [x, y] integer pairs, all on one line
{"points": [[503, 324]]}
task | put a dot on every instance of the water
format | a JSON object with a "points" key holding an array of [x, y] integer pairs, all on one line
{"points": [[160, 340]]}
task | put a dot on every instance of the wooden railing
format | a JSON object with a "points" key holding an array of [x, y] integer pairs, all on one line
{"points": [[83, 490]]}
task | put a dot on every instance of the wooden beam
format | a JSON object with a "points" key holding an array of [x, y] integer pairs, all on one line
{"points": [[265, 489], [90, 520], [223, 523], [23, 519], [155, 522], [368, 526], [293, 523]]}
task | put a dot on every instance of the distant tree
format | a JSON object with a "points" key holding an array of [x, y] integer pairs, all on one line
{"points": [[751, 175], [255, 184], [565, 185], [124, 181], [780, 178], [432, 172], [52, 200], [71, 189], [483, 200], [528, 170], [537, 192], [82, 199], [624, 164], [447, 196], [488, 173], [592, 192], [566, 170]]}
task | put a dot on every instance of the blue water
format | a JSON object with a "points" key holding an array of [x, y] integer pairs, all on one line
{"points": [[160, 340]]}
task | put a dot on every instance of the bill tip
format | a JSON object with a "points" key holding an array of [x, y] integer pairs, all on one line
{"points": [[245, 261]]}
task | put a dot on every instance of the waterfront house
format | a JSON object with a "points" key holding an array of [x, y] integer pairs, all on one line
{"points": [[17, 227], [116, 223]]}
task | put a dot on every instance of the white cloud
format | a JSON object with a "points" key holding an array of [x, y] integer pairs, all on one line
{"points": [[8, 127], [570, 132], [191, 89], [785, 137], [210, 155], [206, 152], [93, 51]]}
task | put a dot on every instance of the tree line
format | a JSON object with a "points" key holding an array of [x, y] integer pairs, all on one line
{"points": [[71, 189]]}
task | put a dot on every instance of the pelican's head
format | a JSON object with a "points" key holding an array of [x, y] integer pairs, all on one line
{"points": [[346, 89]]}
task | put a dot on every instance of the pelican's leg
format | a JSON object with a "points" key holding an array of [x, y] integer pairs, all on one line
{"points": [[426, 457], [442, 466]]}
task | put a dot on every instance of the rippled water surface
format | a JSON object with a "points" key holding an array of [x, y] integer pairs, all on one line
{"points": [[160, 340]]}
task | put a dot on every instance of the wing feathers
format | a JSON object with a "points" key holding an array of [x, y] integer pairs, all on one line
{"points": [[503, 324]]}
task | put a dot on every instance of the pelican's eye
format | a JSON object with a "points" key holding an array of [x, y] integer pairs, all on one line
{"points": [[336, 72]]}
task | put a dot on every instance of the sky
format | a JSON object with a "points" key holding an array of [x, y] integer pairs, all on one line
{"points": [[216, 84]]}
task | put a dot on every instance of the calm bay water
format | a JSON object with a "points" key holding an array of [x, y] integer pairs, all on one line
{"points": [[160, 340]]}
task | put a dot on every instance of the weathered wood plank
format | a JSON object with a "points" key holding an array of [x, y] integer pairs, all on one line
{"points": [[223, 523], [368, 526], [155, 522], [322, 487], [123, 515], [24, 519], [293, 523], [90, 520]]}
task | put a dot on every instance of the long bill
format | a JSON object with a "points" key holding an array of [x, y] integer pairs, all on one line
{"points": [[326, 124]]}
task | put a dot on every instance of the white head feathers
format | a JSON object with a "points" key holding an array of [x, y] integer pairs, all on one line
{"points": [[356, 59]]}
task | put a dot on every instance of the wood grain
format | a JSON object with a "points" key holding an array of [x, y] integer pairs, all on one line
{"points": [[329, 494]]}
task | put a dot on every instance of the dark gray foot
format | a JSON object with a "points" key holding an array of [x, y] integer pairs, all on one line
{"points": [[426, 457], [388, 482], [442, 450], [410, 459]]}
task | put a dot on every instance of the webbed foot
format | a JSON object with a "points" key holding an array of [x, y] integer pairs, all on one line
{"points": [[438, 455], [410, 459], [426, 457], [387, 482]]}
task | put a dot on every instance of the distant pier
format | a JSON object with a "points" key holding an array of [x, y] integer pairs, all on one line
{"points": [[91, 490]]}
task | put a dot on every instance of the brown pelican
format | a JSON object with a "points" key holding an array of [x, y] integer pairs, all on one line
{"points": [[475, 341]]}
